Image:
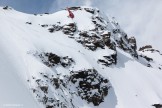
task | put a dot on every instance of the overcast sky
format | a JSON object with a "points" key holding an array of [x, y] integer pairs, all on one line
{"points": [[139, 18]]}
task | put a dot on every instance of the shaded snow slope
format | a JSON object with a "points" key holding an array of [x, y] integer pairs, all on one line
{"points": [[52, 61]]}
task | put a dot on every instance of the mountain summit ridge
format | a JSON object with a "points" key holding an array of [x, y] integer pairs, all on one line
{"points": [[84, 62]]}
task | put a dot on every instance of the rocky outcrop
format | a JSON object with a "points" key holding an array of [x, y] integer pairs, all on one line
{"points": [[149, 48], [7, 8], [43, 90], [89, 84], [92, 11], [145, 47], [92, 86], [69, 29], [108, 60], [74, 8], [28, 23], [54, 28], [157, 105], [128, 45], [51, 60], [146, 58], [132, 42], [90, 40]]}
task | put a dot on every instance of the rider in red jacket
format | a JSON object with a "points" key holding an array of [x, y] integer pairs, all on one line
{"points": [[71, 15]]}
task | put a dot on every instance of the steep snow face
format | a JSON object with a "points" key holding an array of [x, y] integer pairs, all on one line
{"points": [[53, 61]]}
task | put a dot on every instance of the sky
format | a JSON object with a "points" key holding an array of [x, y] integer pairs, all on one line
{"points": [[139, 18]]}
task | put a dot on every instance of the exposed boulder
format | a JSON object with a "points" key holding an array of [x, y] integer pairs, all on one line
{"points": [[149, 48], [53, 28], [145, 47], [69, 29], [46, 13], [7, 8], [66, 61], [132, 42], [74, 8], [106, 34], [44, 93], [90, 40], [45, 25], [44, 88], [88, 84], [108, 60], [128, 45], [28, 23], [90, 10], [55, 82], [146, 58], [116, 31], [51, 60]]}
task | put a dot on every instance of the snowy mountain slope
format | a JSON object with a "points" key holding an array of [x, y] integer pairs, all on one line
{"points": [[86, 62]]}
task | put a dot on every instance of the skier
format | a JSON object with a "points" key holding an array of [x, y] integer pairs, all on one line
{"points": [[71, 15]]}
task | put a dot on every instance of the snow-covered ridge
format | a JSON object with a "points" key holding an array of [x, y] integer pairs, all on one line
{"points": [[85, 62]]}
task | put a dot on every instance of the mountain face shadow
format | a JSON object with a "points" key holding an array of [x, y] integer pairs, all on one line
{"points": [[122, 59], [112, 100]]}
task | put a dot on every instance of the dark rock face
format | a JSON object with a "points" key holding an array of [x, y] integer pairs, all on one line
{"points": [[44, 88], [128, 45], [28, 23], [46, 13], [132, 42], [55, 82], [98, 21], [90, 86], [54, 28], [98, 38], [115, 31], [107, 41], [90, 40], [49, 106], [7, 8], [88, 83], [149, 48], [50, 59], [89, 10], [74, 8], [69, 29], [89, 80], [147, 58], [157, 105], [108, 60], [145, 47], [44, 25]]}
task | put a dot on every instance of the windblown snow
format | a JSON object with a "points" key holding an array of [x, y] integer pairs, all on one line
{"points": [[53, 61]]}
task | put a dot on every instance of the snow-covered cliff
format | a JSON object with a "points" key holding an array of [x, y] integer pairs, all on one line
{"points": [[53, 61]]}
